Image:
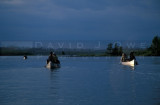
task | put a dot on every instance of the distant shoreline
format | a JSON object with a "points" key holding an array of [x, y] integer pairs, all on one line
{"points": [[82, 55]]}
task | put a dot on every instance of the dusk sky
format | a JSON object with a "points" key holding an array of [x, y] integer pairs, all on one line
{"points": [[79, 19]]}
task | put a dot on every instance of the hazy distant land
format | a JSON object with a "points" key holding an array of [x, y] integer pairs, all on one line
{"points": [[82, 48]]}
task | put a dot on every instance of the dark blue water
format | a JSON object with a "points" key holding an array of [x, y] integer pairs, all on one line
{"points": [[79, 81]]}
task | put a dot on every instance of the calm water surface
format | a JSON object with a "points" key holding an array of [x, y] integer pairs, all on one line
{"points": [[79, 81]]}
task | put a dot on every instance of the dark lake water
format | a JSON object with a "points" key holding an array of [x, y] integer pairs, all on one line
{"points": [[79, 81]]}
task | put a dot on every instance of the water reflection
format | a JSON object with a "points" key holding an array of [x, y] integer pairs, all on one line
{"points": [[78, 82], [124, 67], [155, 60], [54, 85], [54, 69], [54, 74]]}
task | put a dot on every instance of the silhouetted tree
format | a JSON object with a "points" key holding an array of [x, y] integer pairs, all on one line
{"points": [[120, 50], [115, 49], [109, 48], [0, 51], [155, 46], [63, 53]]}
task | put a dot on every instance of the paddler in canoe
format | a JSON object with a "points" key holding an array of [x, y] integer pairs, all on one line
{"points": [[132, 57], [125, 59], [25, 57], [53, 58]]}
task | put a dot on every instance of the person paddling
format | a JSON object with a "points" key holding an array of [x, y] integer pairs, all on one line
{"points": [[53, 58], [50, 58], [56, 59], [25, 57], [124, 57], [132, 57]]}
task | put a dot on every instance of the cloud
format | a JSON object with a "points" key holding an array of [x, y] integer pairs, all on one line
{"points": [[12, 2], [80, 17], [64, 9]]}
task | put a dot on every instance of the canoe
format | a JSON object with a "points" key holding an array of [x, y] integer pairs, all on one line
{"points": [[130, 63], [51, 65], [24, 58]]}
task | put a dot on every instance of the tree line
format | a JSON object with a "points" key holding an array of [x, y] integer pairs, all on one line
{"points": [[114, 51], [152, 50]]}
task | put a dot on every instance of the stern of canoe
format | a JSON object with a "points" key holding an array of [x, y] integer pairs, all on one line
{"points": [[130, 63], [51, 65]]}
